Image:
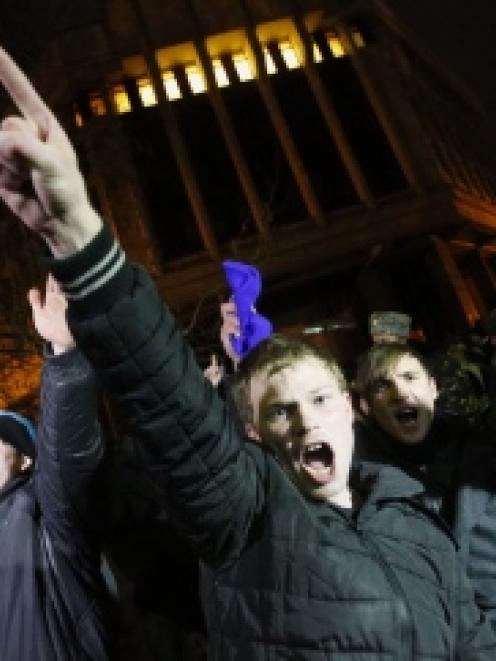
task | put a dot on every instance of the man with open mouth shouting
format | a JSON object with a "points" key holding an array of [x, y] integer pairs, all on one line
{"points": [[402, 428], [399, 392], [299, 562], [300, 407]]}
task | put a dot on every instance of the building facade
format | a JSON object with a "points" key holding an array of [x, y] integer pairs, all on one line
{"points": [[316, 140]]}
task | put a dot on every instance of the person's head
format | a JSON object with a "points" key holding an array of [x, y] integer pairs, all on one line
{"points": [[398, 391], [389, 327], [17, 449], [293, 395]]}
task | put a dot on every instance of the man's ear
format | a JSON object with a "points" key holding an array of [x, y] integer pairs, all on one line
{"points": [[26, 462], [251, 432]]}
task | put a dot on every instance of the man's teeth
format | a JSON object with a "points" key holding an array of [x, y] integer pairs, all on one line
{"points": [[318, 454]]}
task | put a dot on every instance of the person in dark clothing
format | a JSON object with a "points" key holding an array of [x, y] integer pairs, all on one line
{"points": [[300, 563], [51, 593], [297, 563], [127, 506], [156, 571], [401, 428], [17, 445]]}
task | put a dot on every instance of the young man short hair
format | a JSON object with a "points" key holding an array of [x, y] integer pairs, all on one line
{"points": [[294, 397], [401, 427], [298, 560], [398, 391]]}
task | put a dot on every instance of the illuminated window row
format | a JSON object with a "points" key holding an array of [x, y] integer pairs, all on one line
{"points": [[239, 63]]}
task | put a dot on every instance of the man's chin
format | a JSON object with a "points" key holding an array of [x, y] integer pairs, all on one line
{"points": [[328, 491], [411, 436]]}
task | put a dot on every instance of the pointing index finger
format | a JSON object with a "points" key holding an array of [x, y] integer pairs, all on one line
{"points": [[23, 94]]}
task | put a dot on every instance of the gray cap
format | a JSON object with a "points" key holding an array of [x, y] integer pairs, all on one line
{"points": [[396, 324]]}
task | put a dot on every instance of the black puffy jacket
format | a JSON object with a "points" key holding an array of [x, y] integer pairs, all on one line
{"points": [[287, 577], [51, 593], [458, 472]]}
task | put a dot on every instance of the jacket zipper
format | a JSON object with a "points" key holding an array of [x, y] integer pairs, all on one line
{"points": [[403, 609]]}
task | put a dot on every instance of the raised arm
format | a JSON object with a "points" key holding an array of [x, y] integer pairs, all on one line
{"points": [[229, 328], [40, 179], [210, 478], [70, 447]]}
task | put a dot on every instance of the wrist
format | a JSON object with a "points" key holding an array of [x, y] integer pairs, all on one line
{"points": [[58, 349], [70, 235]]}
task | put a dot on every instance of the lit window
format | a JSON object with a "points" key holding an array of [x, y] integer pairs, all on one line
{"points": [[171, 86], [121, 99], [78, 119], [243, 67], [97, 105], [220, 73], [195, 79], [270, 65], [317, 53], [289, 55], [146, 92], [335, 44], [357, 37]]}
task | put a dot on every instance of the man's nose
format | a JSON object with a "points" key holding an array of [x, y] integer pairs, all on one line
{"points": [[305, 420], [401, 390]]}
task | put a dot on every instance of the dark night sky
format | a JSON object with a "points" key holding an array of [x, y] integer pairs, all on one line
{"points": [[462, 33]]}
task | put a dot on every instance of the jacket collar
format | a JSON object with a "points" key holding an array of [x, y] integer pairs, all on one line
{"points": [[385, 483], [377, 482], [14, 484]]}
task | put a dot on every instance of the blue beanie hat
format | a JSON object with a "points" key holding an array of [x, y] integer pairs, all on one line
{"points": [[19, 432]]}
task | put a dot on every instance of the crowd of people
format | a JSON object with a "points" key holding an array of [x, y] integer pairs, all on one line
{"points": [[329, 520]]}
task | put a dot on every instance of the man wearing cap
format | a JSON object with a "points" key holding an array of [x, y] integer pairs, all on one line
{"points": [[51, 592], [17, 437]]}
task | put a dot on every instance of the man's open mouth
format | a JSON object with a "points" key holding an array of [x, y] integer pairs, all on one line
{"points": [[318, 461], [407, 416]]}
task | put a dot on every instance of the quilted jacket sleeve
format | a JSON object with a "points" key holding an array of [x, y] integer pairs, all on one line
{"points": [[69, 449], [475, 640], [210, 475]]}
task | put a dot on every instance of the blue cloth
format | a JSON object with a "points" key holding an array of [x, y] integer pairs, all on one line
{"points": [[245, 283]]}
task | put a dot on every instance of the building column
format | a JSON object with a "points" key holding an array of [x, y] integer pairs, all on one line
{"points": [[279, 123], [451, 283], [484, 278], [232, 143], [115, 182], [383, 113], [332, 120], [175, 137]]}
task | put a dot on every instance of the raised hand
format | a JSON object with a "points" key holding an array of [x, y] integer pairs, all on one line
{"points": [[49, 316], [229, 327], [40, 180], [214, 372]]}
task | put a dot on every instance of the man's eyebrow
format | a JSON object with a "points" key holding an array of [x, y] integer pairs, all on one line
{"points": [[413, 370], [324, 386]]}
